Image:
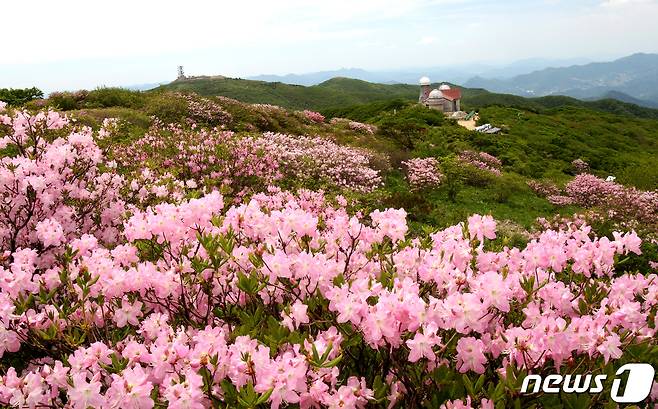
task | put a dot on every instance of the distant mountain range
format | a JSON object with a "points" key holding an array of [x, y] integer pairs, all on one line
{"points": [[455, 74], [630, 79]]}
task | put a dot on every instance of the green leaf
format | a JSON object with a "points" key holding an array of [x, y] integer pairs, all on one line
{"points": [[480, 383], [264, 397], [333, 362], [468, 385]]}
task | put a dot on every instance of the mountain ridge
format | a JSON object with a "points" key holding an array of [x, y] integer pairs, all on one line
{"points": [[635, 75], [457, 73]]}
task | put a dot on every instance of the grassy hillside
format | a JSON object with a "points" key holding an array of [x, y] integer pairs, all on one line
{"points": [[536, 143], [342, 92], [337, 91]]}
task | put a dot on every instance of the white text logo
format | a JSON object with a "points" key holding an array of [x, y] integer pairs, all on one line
{"points": [[638, 385]]}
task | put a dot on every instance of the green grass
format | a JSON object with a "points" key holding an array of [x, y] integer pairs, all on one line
{"points": [[523, 208], [337, 91], [434, 209], [543, 145]]}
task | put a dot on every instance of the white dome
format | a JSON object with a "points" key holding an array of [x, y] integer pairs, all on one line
{"points": [[444, 87], [436, 94], [424, 81]]}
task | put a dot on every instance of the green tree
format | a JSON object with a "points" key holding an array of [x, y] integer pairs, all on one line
{"points": [[19, 96]]}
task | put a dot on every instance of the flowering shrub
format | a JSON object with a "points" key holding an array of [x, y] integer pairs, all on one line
{"points": [[312, 158], [149, 187], [621, 202], [338, 120], [267, 107], [205, 110], [110, 127], [363, 128], [52, 188], [481, 160], [560, 200], [543, 189], [589, 190], [198, 158], [280, 300], [580, 166], [558, 222], [244, 163], [354, 125], [313, 116], [423, 173]]}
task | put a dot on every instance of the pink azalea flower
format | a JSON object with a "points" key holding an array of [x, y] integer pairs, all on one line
{"points": [[470, 356], [482, 226], [609, 347], [84, 394], [422, 343]]}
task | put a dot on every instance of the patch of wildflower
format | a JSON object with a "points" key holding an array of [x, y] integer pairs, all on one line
{"points": [[481, 160], [423, 173], [313, 116]]}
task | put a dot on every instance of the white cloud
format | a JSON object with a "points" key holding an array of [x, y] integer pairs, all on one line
{"points": [[427, 40], [618, 3], [82, 28]]}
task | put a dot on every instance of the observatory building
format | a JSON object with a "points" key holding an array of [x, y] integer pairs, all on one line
{"points": [[444, 99]]}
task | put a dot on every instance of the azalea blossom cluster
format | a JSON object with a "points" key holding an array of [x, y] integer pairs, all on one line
{"points": [[148, 187], [423, 173], [205, 110], [198, 158], [313, 158], [109, 128], [543, 188], [25, 130], [559, 222], [243, 163], [355, 125], [560, 200], [320, 280], [361, 127], [267, 107], [313, 116], [579, 165], [337, 120], [481, 160], [621, 202], [53, 187]]}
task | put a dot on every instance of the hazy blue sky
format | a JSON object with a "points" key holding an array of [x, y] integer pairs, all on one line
{"points": [[73, 44]]}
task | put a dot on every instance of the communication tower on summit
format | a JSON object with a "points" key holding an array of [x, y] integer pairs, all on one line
{"points": [[181, 73]]}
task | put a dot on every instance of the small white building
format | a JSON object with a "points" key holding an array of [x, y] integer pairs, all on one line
{"points": [[444, 99]]}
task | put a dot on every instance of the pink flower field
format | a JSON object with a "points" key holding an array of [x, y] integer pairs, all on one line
{"points": [[183, 269]]}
